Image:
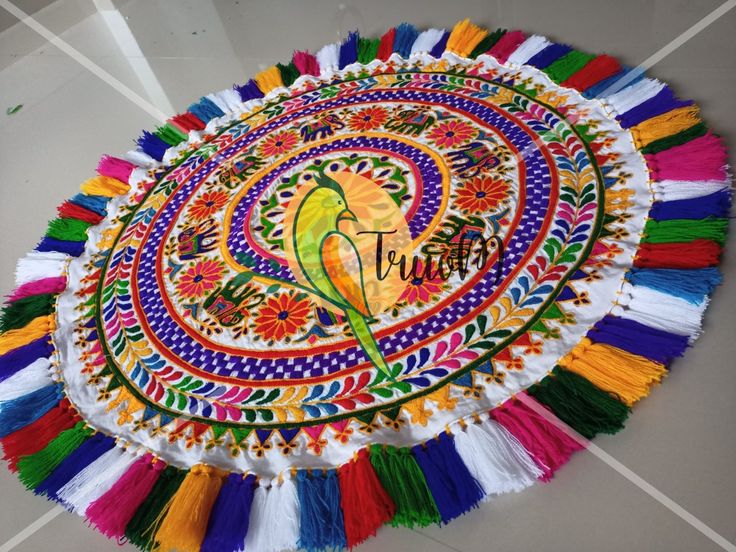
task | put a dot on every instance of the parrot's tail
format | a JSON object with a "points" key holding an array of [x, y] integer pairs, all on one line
{"points": [[364, 336]]}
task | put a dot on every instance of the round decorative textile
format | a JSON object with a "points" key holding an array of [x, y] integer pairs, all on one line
{"points": [[376, 285]]}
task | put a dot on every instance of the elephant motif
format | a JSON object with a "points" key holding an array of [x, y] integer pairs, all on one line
{"points": [[410, 121], [322, 127], [230, 304], [472, 159], [195, 240], [239, 170]]}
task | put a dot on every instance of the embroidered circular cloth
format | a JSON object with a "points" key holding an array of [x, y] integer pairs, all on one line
{"points": [[375, 285]]}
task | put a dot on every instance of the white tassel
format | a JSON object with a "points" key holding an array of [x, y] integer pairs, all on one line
{"points": [[37, 265], [495, 458], [231, 99], [96, 479], [633, 95], [528, 49], [660, 310], [215, 99], [673, 190], [140, 159], [274, 518], [329, 58], [427, 40], [27, 380]]}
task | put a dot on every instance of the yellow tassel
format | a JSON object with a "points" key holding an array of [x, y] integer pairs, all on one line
{"points": [[184, 527], [464, 37], [104, 186], [665, 125], [269, 79], [35, 329], [614, 370]]}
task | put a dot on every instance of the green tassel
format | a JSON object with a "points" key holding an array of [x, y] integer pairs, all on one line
{"points": [[569, 64], [685, 230], [143, 526], [68, 229], [19, 313], [682, 137], [367, 49], [404, 481], [580, 404], [171, 135], [289, 73], [487, 43], [33, 469]]}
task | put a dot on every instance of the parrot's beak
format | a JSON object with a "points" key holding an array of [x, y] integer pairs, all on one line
{"points": [[347, 214]]}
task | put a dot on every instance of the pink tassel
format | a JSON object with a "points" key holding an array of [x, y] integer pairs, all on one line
{"points": [[506, 45], [703, 158], [112, 512], [115, 168], [306, 63], [57, 284], [548, 445]]}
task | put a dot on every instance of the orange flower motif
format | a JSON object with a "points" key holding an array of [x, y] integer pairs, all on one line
{"points": [[207, 204], [279, 143], [199, 278], [369, 118], [281, 316], [449, 134], [482, 194]]}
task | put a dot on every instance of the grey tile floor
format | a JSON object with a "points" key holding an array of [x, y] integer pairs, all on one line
{"points": [[681, 439]]}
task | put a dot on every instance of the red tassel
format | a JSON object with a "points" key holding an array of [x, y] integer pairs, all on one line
{"points": [[506, 45], [306, 63], [386, 46], [695, 254], [72, 210], [596, 70], [36, 436], [549, 446], [366, 505], [187, 122]]}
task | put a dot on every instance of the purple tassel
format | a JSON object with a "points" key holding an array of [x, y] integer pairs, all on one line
{"points": [[72, 248], [248, 91], [228, 523], [349, 50], [439, 48], [22, 356], [18, 413], [89, 451], [454, 489], [717, 204], [662, 102], [548, 55], [152, 145], [638, 339]]}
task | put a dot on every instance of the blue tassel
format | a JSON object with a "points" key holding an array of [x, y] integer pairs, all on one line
{"points": [[717, 204], [89, 451], [404, 39], [617, 82], [23, 411], [20, 357], [691, 285], [152, 145], [321, 524], [72, 248], [97, 204], [454, 489], [349, 50], [439, 48], [662, 102], [638, 339], [228, 523], [206, 110], [548, 55], [248, 91]]}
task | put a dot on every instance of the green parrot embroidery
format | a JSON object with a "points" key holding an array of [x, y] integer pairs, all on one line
{"points": [[330, 261]]}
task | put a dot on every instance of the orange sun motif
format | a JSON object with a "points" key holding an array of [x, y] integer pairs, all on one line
{"points": [[482, 194]]}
